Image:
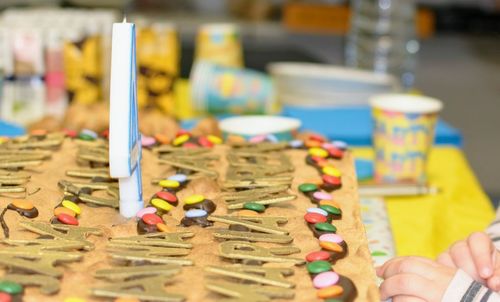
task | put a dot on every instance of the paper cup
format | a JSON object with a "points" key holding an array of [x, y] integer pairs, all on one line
{"points": [[403, 135], [217, 89], [248, 127], [219, 43]]}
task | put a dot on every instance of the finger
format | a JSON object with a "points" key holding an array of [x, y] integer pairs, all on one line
{"points": [[461, 256], [402, 298], [481, 249], [494, 281], [410, 265], [445, 259], [409, 285]]}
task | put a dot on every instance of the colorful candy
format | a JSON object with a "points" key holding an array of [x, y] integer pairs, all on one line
{"points": [[254, 207], [161, 204], [317, 255], [325, 279], [319, 266], [67, 219], [151, 219], [169, 183], [68, 204], [144, 211], [10, 287], [193, 199], [314, 218], [167, 196]]}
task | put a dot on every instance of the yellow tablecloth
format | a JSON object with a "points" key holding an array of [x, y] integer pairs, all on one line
{"points": [[427, 225]]}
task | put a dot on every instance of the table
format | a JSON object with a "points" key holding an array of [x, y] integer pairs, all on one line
{"points": [[427, 225]]}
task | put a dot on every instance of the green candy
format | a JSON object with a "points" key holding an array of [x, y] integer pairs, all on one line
{"points": [[333, 300], [319, 266], [331, 209], [307, 187], [85, 137], [10, 287], [325, 227], [379, 253], [257, 207]]}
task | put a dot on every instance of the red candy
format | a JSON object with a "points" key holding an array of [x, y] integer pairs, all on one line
{"points": [[70, 133], [5, 297], [331, 180], [67, 219], [316, 137], [314, 218], [167, 196], [316, 256], [182, 132], [105, 133], [335, 152], [204, 142], [152, 219]]}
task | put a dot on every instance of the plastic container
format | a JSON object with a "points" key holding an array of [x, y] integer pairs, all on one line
{"points": [[217, 89], [382, 38], [320, 85]]}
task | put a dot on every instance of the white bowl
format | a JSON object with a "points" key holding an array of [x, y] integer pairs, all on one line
{"points": [[254, 125]]}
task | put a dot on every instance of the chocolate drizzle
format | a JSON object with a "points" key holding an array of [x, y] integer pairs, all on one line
{"points": [[201, 221], [206, 205], [30, 213], [143, 228]]}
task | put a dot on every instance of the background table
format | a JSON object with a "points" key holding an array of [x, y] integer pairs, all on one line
{"points": [[427, 225]]}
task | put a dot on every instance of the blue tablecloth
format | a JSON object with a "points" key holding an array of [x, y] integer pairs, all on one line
{"points": [[354, 125], [10, 130]]}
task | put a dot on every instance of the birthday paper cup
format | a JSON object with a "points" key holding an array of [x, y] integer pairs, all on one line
{"points": [[219, 43], [217, 89], [403, 135]]}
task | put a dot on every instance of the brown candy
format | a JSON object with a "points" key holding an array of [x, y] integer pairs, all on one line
{"points": [[206, 205]]}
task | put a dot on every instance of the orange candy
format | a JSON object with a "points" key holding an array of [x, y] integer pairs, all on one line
{"points": [[330, 292], [332, 203], [331, 246], [162, 139], [23, 204], [247, 213], [63, 210], [38, 132], [163, 227], [312, 143]]}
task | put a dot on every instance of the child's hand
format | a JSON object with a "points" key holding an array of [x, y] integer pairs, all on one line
{"points": [[477, 256], [414, 279]]}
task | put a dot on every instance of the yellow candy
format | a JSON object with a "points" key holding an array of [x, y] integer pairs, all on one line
{"points": [[161, 204], [318, 152], [68, 204], [181, 139], [214, 139], [332, 171], [168, 183], [193, 199]]}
